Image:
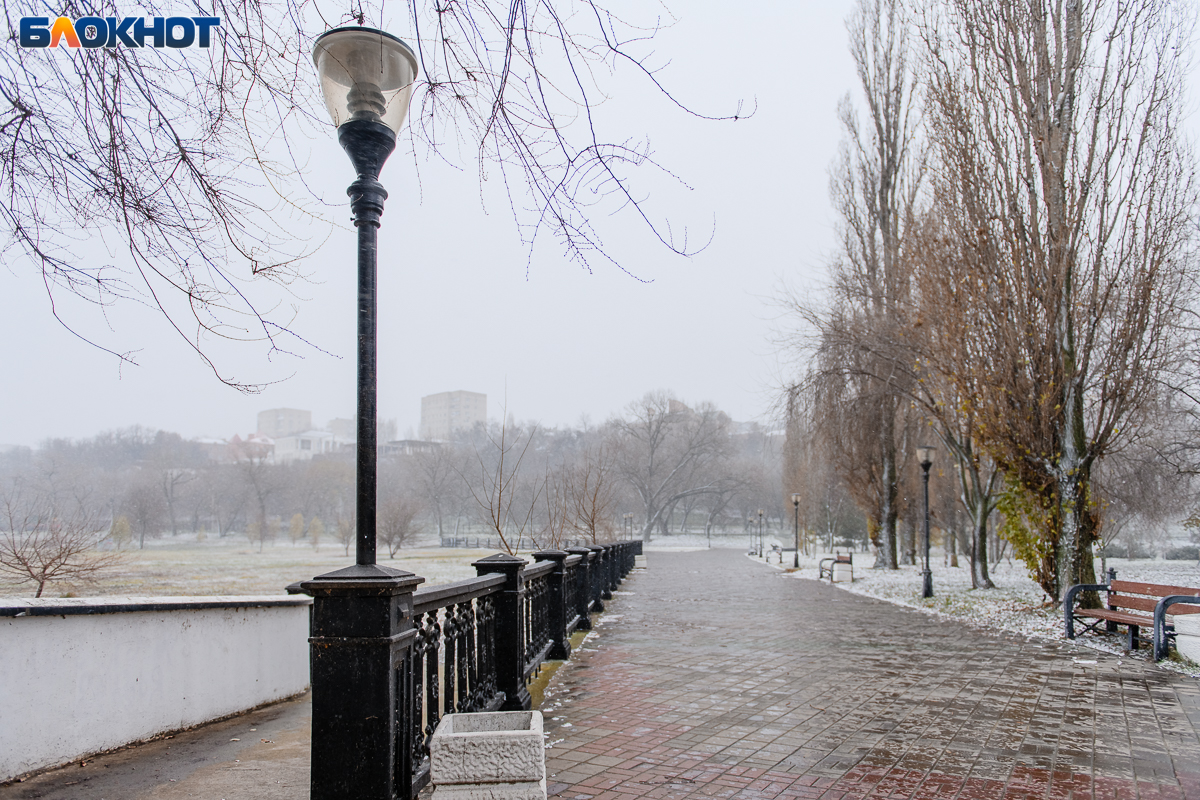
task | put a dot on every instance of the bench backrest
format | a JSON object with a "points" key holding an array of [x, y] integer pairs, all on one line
{"points": [[1125, 594]]}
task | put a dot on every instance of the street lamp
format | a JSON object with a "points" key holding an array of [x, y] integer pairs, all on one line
{"points": [[367, 80], [361, 621], [796, 506], [925, 454], [762, 546]]}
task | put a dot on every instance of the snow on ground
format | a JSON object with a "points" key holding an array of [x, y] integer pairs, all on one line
{"points": [[1017, 604], [233, 566]]}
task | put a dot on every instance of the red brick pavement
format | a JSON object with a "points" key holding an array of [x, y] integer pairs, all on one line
{"points": [[715, 677]]}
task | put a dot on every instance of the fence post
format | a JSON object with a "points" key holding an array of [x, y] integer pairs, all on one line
{"points": [[510, 629], [362, 634], [560, 643], [605, 555], [612, 557], [596, 576], [583, 586]]}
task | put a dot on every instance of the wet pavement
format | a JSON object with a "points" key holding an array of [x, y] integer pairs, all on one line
{"points": [[260, 755], [715, 676]]}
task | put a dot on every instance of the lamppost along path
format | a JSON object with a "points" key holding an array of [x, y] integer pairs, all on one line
{"points": [[796, 507], [361, 624], [925, 455]]}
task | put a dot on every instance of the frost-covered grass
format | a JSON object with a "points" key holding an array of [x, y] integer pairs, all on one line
{"points": [[1017, 604], [233, 566]]}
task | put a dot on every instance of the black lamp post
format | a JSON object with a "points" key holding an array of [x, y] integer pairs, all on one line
{"points": [[367, 80], [762, 546], [925, 454], [796, 506], [362, 615]]}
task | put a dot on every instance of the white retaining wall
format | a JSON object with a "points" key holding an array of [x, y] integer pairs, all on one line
{"points": [[82, 675]]}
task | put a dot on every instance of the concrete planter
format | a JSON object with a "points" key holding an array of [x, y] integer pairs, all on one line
{"points": [[492, 756], [1187, 636]]}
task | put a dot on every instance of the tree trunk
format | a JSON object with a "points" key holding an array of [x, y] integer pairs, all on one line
{"points": [[979, 548], [887, 516]]}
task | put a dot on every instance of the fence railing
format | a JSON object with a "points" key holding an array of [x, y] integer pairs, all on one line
{"points": [[389, 660]]}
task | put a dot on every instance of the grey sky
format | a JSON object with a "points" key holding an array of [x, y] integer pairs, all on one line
{"points": [[458, 308]]}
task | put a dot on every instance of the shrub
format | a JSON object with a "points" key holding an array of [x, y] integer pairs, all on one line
{"points": [[1185, 553]]}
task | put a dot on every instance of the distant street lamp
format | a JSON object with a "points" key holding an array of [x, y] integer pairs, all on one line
{"points": [[762, 546], [925, 454], [796, 506]]}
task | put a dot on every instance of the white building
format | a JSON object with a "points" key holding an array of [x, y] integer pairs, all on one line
{"points": [[443, 414]]}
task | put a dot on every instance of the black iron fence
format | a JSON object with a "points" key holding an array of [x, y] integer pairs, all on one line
{"points": [[389, 660]]}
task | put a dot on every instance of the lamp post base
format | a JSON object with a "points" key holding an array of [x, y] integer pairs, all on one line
{"points": [[926, 583]]}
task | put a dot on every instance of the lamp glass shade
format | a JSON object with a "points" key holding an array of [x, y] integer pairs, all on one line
{"points": [[925, 454], [795, 499], [365, 74]]}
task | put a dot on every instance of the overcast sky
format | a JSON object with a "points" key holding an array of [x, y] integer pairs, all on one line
{"points": [[462, 304]]}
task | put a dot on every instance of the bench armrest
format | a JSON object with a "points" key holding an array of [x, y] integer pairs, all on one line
{"points": [[1069, 603], [1160, 621]]}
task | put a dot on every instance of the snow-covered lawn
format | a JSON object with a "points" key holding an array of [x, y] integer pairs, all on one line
{"points": [[183, 566], [1017, 604]]}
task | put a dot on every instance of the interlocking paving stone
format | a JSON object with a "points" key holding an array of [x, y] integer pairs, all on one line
{"points": [[712, 676]]}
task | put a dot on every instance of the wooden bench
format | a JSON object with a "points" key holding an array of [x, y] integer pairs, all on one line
{"points": [[826, 565], [1135, 605]]}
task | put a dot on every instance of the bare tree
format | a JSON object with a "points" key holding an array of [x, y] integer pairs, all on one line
{"points": [[507, 501], [161, 151], [397, 522], [874, 188], [591, 494], [1063, 178], [345, 532], [663, 449], [556, 518], [436, 473], [41, 547], [296, 528], [146, 508], [261, 479]]}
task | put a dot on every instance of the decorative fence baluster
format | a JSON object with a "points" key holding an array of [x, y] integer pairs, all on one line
{"points": [[462, 622], [486, 636], [433, 699]]}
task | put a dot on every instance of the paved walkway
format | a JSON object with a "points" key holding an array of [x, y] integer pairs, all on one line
{"points": [[714, 676]]}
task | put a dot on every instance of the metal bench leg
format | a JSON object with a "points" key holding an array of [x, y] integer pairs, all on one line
{"points": [[1133, 637]]}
